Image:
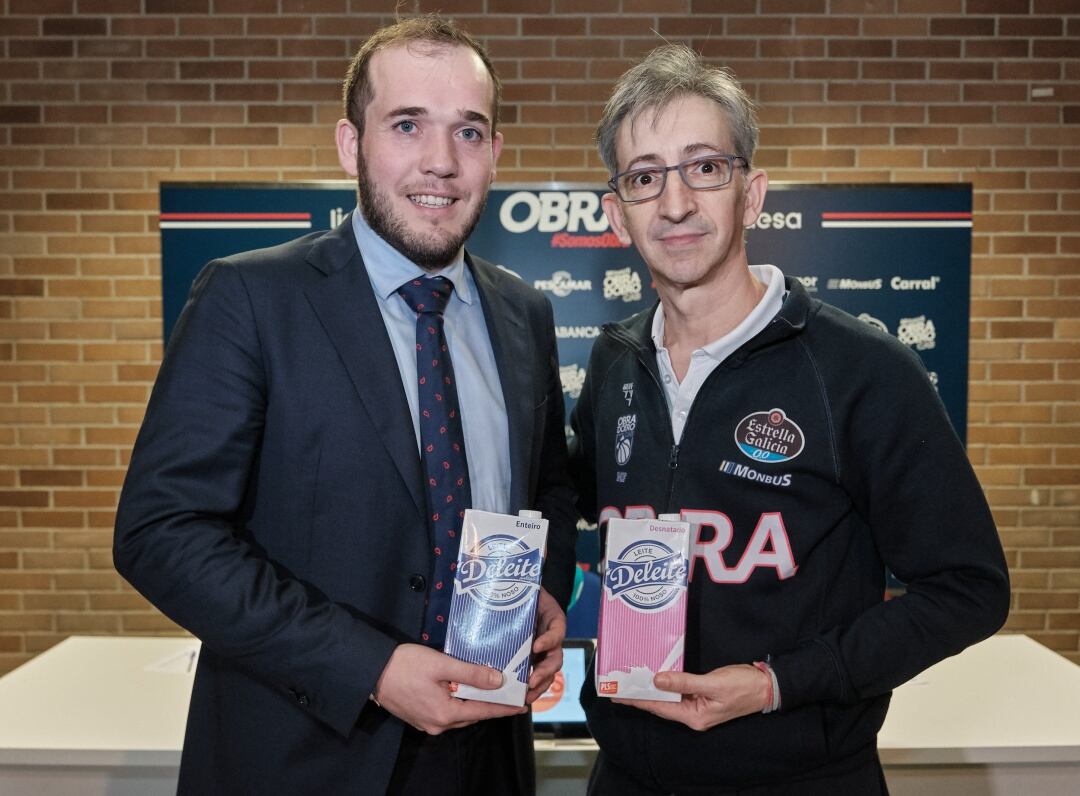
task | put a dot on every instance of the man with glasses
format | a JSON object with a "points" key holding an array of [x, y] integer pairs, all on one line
{"points": [[808, 450]]}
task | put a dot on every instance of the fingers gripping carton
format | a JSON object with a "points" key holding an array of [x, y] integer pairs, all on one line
{"points": [[496, 590], [643, 607]]}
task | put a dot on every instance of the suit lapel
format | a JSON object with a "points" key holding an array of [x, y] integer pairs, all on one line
{"points": [[510, 343], [349, 312]]}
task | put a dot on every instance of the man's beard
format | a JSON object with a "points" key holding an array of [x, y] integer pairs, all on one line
{"points": [[429, 253]]}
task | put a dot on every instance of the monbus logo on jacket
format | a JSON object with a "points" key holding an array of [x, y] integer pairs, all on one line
{"points": [[643, 611]]}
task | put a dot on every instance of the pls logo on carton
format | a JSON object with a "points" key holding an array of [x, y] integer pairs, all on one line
{"points": [[493, 608], [643, 612]]}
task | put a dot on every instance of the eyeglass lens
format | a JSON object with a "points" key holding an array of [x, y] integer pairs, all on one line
{"points": [[699, 173]]}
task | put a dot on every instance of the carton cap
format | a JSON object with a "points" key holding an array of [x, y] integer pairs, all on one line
{"points": [[531, 514], [670, 517]]}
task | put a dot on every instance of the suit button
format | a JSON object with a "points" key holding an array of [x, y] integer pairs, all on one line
{"points": [[301, 699], [417, 583]]}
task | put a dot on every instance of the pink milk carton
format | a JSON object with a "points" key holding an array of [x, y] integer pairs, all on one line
{"points": [[643, 607], [496, 591]]}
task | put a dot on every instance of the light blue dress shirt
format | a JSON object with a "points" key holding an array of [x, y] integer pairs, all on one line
{"points": [[483, 410]]}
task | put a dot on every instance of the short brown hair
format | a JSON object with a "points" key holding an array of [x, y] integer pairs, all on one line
{"points": [[430, 29]]}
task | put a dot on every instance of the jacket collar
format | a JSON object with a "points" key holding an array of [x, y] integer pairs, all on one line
{"points": [[636, 331], [346, 305]]}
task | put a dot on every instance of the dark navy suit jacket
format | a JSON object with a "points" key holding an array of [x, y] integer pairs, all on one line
{"points": [[274, 506]]}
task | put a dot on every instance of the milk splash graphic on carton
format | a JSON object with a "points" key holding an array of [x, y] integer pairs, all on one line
{"points": [[643, 610], [493, 608]]}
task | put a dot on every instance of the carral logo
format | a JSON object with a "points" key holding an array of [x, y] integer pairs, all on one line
{"points": [[562, 284], [808, 282], [577, 332], [854, 284], [918, 331], [897, 283], [779, 221], [769, 437], [622, 283], [573, 379], [552, 211]]}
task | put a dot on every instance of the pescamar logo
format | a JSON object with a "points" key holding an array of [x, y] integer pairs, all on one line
{"points": [[562, 284], [769, 437]]}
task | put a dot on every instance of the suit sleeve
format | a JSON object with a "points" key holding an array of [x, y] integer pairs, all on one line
{"points": [[910, 479], [180, 538], [554, 492]]}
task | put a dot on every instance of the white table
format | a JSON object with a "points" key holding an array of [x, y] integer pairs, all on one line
{"points": [[96, 716], [1003, 717]]}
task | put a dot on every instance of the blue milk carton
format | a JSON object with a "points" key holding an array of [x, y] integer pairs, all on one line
{"points": [[496, 591]]}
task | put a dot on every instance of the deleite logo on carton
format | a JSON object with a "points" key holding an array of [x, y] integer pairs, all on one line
{"points": [[646, 575], [500, 572]]}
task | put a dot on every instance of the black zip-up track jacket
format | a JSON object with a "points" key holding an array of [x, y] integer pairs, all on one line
{"points": [[813, 457]]}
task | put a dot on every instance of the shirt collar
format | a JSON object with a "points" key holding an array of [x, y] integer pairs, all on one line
{"points": [[388, 269], [764, 311]]}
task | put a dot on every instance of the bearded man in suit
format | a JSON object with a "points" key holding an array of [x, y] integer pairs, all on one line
{"points": [[277, 501]]}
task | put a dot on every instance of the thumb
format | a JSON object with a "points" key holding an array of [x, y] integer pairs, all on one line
{"points": [[474, 675], [679, 682]]}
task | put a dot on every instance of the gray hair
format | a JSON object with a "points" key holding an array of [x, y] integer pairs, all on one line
{"points": [[666, 74]]}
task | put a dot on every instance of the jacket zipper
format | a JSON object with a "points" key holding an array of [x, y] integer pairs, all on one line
{"points": [[673, 453], [673, 465]]}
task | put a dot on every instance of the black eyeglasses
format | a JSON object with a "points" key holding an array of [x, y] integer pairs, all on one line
{"points": [[705, 173]]}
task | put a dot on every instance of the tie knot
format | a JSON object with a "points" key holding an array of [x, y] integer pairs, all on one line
{"points": [[427, 295]]}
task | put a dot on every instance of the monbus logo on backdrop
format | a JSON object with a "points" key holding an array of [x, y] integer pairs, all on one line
{"points": [[897, 256]]}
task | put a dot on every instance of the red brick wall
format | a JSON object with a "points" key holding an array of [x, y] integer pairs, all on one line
{"points": [[103, 99]]}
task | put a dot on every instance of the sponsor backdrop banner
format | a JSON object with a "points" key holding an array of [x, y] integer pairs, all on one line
{"points": [[896, 256]]}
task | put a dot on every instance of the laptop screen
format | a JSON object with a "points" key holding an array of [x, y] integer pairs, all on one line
{"points": [[558, 711]]}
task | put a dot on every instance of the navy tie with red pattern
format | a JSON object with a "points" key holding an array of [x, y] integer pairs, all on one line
{"points": [[442, 445]]}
